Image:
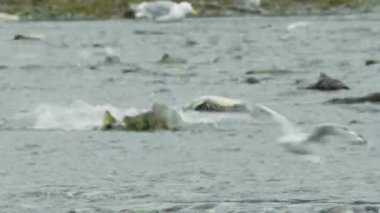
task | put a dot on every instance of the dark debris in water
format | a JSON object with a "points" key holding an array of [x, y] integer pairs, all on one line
{"points": [[371, 62], [190, 43], [146, 32], [372, 98], [269, 72], [167, 59], [3, 67]]}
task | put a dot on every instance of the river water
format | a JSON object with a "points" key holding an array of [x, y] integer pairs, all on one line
{"points": [[54, 92]]}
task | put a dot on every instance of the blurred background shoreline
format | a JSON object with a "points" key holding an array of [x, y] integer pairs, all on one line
{"points": [[101, 9]]}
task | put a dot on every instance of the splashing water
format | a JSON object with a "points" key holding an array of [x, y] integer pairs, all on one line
{"points": [[80, 115], [77, 116]]}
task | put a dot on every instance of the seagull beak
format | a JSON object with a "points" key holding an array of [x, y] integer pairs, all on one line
{"points": [[194, 12]]}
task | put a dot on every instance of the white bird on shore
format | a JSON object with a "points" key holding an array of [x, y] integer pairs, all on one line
{"points": [[163, 11], [296, 141], [8, 17]]}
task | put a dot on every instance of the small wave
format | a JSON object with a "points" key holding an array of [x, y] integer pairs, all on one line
{"points": [[211, 117]]}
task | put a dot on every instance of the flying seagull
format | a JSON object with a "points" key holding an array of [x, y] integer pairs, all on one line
{"points": [[296, 140]]}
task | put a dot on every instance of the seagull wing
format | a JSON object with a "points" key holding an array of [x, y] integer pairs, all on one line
{"points": [[159, 8], [319, 132], [323, 130], [287, 127]]}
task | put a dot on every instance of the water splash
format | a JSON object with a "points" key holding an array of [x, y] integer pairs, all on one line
{"points": [[77, 116], [81, 115]]}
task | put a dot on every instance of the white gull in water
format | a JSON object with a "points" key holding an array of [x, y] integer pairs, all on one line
{"points": [[296, 141], [163, 10]]}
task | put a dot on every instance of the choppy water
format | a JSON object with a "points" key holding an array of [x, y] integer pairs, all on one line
{"points": [[231, 163]]}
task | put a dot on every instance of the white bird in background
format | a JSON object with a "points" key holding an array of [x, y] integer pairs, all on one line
{"points": [[296, 25], [163, 11], [296, 141]]}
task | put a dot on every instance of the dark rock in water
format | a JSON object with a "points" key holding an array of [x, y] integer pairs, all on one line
{"points": [[93, 67], [112, 60], [145, 32], [373, 98], [371, 62], [172, 209], [33, 37], [269, 72], [190, 43], [132, 68], [251, 80], [205, 206], [351, 209], [97, 45], [138, 211], [3, 67], [326, 83], [372, 209]]}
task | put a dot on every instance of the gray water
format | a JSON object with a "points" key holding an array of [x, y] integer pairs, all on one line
{"points": [[231, 164]]}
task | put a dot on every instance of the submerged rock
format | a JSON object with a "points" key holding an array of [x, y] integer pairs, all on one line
{"points": [[190, 43], [268, 71], [167, 59], [373, 98], [371, 62], [109, 60], [326, 83], [252, 80], [351, 209], [146, 32], [217, 104], [160, 117], [132, 69], [33, 36]]}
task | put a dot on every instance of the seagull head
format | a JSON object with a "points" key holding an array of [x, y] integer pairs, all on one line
{"points": [[187, 8], [333, 129]]}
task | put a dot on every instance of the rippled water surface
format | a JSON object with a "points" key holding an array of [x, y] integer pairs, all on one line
{"points": [[231, 163]]}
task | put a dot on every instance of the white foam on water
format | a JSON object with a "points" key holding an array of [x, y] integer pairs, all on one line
{"points": [[77, 116], [212, 117], [296, 25], [81, 115]]}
